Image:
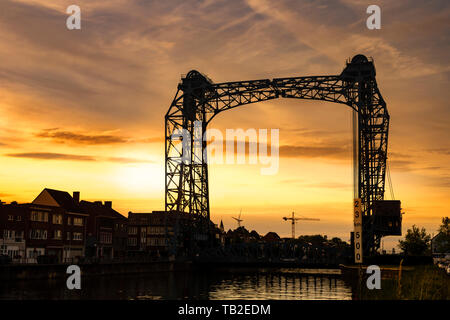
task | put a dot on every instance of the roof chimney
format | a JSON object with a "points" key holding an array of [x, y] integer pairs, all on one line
{"points": [[108, 204], [76, 196]]}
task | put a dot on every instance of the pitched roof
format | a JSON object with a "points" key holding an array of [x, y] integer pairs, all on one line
{"points": [[99, 209], [271, 235], [64, 199]]}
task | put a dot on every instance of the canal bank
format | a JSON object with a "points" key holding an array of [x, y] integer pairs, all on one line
{"points": [[53, 271]]}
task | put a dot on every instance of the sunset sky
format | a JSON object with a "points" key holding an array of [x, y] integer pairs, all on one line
{"points": [[84, 109]]}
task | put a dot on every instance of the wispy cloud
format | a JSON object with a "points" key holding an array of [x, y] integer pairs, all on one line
{"points": [[127, 160], [67, 136], [122, 69], [320, 185], [336, 150], [5, 194], [74, 157], [444, 151], [329, 185], [63, 136], [314, 151], [51, 156]]}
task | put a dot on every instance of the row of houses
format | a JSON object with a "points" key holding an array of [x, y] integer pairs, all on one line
{"points": [[59, 226]]}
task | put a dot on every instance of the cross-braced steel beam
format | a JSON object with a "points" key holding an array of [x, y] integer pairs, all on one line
{"points": [[199, 100]]}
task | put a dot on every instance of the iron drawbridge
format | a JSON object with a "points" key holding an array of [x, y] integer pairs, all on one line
{"points": [[199, 100]]}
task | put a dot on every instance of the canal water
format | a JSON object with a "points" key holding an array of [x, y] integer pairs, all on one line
{"points": [[283, 284]]}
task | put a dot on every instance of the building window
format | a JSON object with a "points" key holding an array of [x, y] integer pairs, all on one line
{"points": [[69, 221], [77, 236], [105, 237], [157, 230], [35, 252], [10, 217], [68, 236], [19, 236], [39, 216], [13, 253], [77, 221], [57, 235], [38, 234], [8, 234], [19, 218], [132, 241], [132, 230], [157, 242], [57, 219]]}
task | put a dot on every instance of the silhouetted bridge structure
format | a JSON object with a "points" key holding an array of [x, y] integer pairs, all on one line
{"points": [[199, 100]]}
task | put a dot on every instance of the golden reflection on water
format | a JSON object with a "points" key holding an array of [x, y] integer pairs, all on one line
{"points": [[283, 286], [212, 284]]}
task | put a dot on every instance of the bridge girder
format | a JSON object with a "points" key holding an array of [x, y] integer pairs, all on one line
{"points": [[199, 99]]}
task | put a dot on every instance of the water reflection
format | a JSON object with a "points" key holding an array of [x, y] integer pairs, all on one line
{"points": [[281, 285], [286, 284]]}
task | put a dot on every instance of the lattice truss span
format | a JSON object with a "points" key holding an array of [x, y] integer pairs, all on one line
{"points": [[199, 99]]}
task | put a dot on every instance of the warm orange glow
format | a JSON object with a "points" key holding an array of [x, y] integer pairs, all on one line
{"points": [[85, 110]]}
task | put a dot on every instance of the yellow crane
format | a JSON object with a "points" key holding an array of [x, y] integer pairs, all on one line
{"points": [[294, 219]]}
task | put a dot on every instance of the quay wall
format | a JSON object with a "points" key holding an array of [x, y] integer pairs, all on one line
{"points": [[51, 271]]}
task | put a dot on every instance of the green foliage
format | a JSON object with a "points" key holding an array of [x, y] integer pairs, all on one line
{"points": [[416, 243]]}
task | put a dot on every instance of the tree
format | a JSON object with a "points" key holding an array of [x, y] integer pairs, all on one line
{"points": [[445, 226], [338, 242], [417, 242], [316, 240], [441, 243]]}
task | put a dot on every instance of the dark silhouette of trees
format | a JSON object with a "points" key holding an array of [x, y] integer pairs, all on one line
{"points": [[441, 243], [416, 243], [445, 226], [316, 239]]}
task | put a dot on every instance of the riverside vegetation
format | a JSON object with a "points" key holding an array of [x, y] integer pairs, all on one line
{"points": [[427, 282]]}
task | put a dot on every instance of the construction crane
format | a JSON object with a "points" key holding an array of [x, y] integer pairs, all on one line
{"points": [[238, 219], [294, 219]]}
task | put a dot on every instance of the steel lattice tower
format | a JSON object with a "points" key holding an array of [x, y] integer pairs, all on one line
{"points": [[199, 99]]}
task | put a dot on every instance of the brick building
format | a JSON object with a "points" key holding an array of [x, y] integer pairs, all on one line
{"points": [[57, 225], [13, 230], [106, 230], [52, 225], [157, 233]]}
